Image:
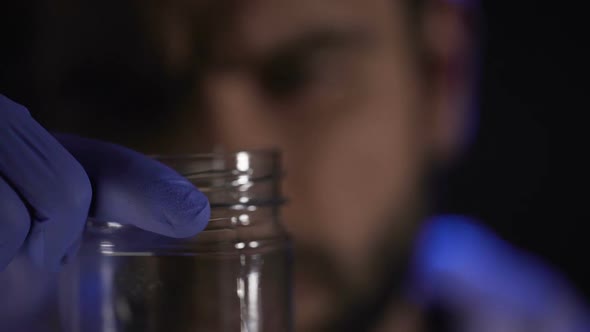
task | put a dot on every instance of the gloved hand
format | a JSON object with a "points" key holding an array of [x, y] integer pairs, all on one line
{"points": [[50, 185], [487, 284]]}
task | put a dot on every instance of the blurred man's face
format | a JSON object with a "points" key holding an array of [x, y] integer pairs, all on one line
{"points": [[335, 85]]}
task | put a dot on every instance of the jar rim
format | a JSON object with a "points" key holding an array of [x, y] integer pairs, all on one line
{"points": [[233, 179], [272, 153]]}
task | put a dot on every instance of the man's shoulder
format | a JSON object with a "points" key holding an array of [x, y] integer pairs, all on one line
{"points": [[461, 265]]}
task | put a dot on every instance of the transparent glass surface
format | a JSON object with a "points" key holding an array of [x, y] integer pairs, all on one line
{"points": [[234, 276]]}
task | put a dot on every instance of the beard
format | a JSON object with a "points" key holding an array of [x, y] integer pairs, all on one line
{"points": [[344, 303]]}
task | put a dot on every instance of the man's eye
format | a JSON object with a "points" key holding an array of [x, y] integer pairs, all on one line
{"points": [[285, 76]]}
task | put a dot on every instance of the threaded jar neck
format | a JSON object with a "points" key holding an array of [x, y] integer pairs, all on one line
{"points": [[242, 187], [232, 180]]}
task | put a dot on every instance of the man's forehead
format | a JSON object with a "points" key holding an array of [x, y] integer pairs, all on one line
{"points": [[263, 22], [258, 25]]}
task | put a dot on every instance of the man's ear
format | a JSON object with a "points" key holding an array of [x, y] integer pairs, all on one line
{"points": [[448, 36]]}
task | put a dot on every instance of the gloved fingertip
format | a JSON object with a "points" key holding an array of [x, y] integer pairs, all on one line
{"points": [[184, 209], [191, 221]]}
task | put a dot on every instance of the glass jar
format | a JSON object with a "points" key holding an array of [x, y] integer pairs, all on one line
{"points": [[233, 276]]}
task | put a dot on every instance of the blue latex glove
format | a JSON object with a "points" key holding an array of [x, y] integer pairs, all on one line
{"points": [[489, 285], [50, 185]]}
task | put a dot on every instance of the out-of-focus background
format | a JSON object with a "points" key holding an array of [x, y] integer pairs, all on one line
{"points": [[526, 175]]}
